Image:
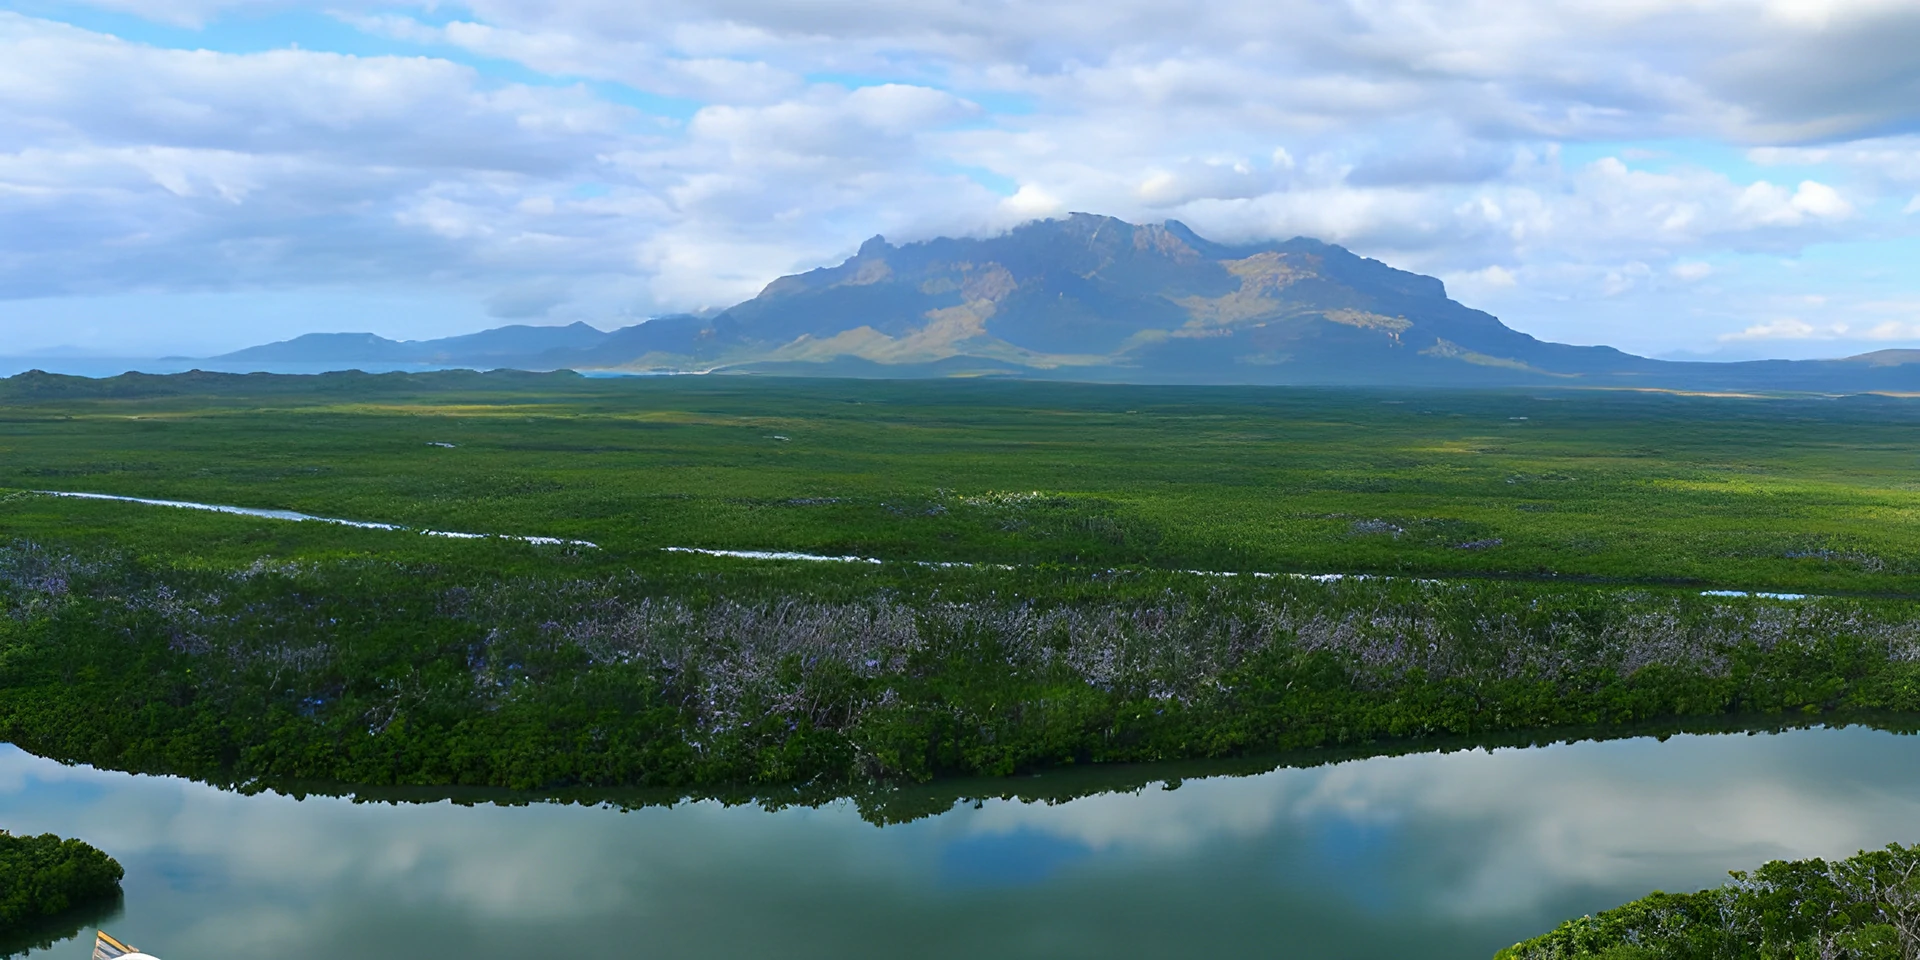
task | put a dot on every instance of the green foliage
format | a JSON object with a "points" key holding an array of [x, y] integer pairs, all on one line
{"points": [[1778, 494], [1545, 578], [45, 876], [701, 674], [1571, 546], [1863, 908]]}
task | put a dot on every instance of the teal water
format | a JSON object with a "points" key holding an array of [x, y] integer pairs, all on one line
{"points": [[1432, 856]]}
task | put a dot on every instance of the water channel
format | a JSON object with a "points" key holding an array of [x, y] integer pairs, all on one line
{"points": [[1429, 855]]}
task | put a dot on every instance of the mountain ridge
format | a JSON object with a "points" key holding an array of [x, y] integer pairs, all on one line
{"points": [[1097, 298], [512, 341]]}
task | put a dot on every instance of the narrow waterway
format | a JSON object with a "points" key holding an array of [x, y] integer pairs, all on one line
{"points": [[1433, 856], [296, 517], [289, 515]]}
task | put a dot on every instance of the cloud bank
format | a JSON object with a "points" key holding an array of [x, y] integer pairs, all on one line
{"points": [[1660, 174]]}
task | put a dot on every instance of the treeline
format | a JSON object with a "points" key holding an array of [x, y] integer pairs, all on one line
{"points": [[1863, 908], [44, 877], [38, 386], [698, 674]]}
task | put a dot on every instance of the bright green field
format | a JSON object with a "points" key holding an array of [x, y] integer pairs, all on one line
{"points": [[1786, 494]]}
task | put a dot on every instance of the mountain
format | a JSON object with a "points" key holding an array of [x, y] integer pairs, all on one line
{"points": [[510, 346], [1095, 298], [327, 348], [1100, 298]]}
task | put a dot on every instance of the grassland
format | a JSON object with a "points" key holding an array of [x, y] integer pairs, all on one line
{"points": [[1815, 495]]}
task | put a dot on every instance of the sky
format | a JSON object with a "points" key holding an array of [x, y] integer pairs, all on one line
{"points": [[1714, 178]]}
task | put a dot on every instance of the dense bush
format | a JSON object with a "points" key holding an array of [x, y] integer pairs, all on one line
{"points": [[698, 673], [45, 876], [1863, 908]]}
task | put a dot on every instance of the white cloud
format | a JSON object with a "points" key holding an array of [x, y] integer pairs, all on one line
{"points": [[1031, 202], [188, 170], [1563, 69], [59, 84], [1571, 815], [1764, 204], [1787, 328], [829, 123], [1848, 325], [1474, 284], [1187, 181], [1892, 330], [1428, 132], [1819, 200], [649, 66], [1470, 840]]}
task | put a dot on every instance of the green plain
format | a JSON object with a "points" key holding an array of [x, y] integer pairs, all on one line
{"points": [[1790, 494]]}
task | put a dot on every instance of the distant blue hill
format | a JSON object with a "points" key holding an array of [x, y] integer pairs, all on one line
{"points": [[501, 347]]}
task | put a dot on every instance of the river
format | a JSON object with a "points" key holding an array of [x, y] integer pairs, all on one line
{"points": [[1429, 855]]}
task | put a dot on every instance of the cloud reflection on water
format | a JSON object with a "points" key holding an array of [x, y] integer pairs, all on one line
{"points": [[1511, 828], [1458, 850]]}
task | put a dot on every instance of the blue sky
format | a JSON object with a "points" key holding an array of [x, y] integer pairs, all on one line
{"points": [[1720, 178]]}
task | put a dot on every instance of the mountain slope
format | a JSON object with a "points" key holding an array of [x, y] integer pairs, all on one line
{"points": [[516, 345], [1100, 297], [1096, 298], [326, 348]]}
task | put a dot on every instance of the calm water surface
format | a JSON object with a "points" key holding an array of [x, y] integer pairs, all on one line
{"points": [[1433, 856]]}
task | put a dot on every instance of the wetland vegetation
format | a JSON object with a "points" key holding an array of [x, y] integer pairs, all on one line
{"points": [[1071, 574], [49, 886], [1808, 495], [701, 673], [1865, 907]]}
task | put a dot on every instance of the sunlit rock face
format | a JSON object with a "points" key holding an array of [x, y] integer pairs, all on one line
{"points": [[1437, 855]]}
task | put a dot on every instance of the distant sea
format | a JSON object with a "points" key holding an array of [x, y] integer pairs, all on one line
{"points": [[114, 366]]}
